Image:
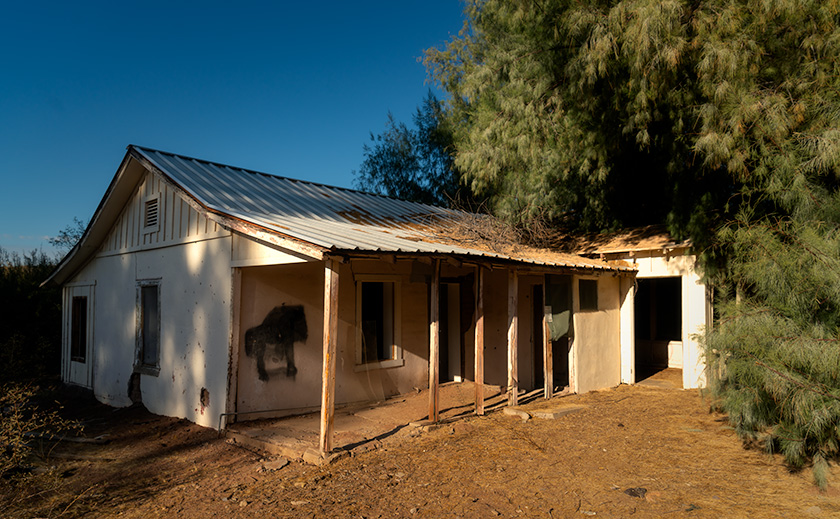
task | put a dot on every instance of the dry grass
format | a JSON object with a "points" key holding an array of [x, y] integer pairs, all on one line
{"points": [[689, 462]]}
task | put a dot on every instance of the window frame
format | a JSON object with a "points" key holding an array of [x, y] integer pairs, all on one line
{"points": [[396, 359], [581, 282], [78, 328], [140, 366]]}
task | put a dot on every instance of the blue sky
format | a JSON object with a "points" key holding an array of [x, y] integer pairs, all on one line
{"points": [[289, 88]]}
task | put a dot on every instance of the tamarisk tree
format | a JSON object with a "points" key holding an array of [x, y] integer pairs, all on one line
{"points": [[582, 113], [720, 118], [774, 356]]}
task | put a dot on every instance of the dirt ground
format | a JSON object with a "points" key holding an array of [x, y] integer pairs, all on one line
{"points": [[665, 441]]}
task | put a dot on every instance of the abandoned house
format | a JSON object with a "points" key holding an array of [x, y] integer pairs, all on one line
{"points": [[671, 304], [208, 291]]}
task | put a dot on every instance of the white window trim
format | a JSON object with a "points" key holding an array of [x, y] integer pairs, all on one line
{"points": [[139, 366], [151, 229], [85, 289], [398, 359], [84, 347]]}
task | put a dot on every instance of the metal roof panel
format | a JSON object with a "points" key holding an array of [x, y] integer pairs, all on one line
{"points": [[329, 217]]}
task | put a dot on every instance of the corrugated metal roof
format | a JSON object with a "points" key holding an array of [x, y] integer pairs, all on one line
{"points": [[332, 218], [651, 237]]}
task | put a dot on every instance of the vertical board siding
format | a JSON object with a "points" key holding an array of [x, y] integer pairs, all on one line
{"points": [[178, 221], [186, 231], [129, 224], [170, 215], [120, 242]]}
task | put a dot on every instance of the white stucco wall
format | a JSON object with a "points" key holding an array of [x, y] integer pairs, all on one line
{"points": [[114, 326], [263, 288], [195, 292], [628, 332], [596, 350]]}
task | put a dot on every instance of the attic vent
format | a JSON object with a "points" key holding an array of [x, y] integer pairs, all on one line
{"points": [[150, 217]]}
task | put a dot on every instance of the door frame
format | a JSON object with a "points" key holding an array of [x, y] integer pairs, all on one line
{"points": [[74, 372]]}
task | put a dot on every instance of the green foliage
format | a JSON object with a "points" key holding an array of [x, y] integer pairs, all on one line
{"points": [[577, 112], [774, 357], [30, 317], [413, 164], [601, 114], [772, 119], [720, 118]]}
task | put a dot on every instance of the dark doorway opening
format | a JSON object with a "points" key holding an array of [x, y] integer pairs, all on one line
{"points": [[559, 347], [658, 322], [455, 314], [444, 353]]}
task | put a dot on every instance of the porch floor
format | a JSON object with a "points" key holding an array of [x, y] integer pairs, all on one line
{"points": [[668, 378], [361, 427]]}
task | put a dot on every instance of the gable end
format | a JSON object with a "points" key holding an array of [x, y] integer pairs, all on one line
{"points": [[158, 216]]}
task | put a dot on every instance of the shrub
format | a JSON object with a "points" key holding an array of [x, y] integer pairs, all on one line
{"points": [[24, 425]]}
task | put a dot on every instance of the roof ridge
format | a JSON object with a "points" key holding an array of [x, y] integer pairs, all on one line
{"points": [[281, 177]]}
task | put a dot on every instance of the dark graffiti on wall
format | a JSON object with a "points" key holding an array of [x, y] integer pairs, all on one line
{"points": [[273, 342]]}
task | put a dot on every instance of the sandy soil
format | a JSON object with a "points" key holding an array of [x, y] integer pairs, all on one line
{"points": [[665, 441]]}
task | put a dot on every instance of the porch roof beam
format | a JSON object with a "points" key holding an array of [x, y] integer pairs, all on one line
{"points": [[464, 260]]}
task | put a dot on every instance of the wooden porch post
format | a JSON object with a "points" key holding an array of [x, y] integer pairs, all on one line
{"points": [[330, 338], [513, 324], [479, 341], [548, 358], [434, 345]]}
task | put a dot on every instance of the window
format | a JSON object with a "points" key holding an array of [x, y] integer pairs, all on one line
{"points": [[588, 291], [378, 330], [377, 321], [151, 214], [148, 328], [78, 329]]}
